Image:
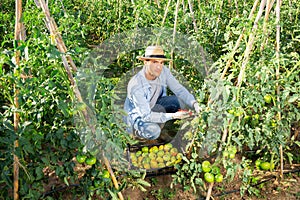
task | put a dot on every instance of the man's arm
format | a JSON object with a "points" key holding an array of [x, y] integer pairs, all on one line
{"points": [[142, 107], [179, 90]]}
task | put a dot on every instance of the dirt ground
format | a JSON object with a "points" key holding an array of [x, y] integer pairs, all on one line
{"points": [[272, 189]]}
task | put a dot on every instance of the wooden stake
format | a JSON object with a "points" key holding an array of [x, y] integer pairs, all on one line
{"points": [[63, 49], [210, 187], [171, 64], [277, 10], [193, 16], [267, 13], [245, 61], [112, 175], [166, 13], [237, 44], [250, 43], [17, 37]]}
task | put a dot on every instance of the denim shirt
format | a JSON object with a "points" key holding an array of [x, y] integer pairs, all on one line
{"points": [[137, 103]]}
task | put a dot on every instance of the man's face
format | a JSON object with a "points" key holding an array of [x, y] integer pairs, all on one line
{"points": [[153, 68]]}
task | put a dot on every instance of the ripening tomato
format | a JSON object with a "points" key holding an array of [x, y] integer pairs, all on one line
{"points": [[91, 160], [268, 98], [208, 177], [206, 166], [219, 178], [105, 174], [80, 158]]}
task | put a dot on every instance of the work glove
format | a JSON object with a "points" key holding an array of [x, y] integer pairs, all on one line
{"points": [[181, 114], [197, 107]]}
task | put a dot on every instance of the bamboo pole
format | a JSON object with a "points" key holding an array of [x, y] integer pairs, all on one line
{"points": [[217, 22], [245, 61], [171, 64], [166, 13], [157, 3], [236, 8], [17, 37], [267, 13], [250, 43], [210, 187], [193, 16], [62, 48], [277, 10], [237, 44]]}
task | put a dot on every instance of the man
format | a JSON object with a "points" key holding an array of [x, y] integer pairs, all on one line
{"points": [[147, 103]]}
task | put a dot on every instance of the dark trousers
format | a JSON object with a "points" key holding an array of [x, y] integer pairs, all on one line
{"points": [[150, 130]]}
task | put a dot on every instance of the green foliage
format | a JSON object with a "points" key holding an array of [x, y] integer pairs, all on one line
{"points": [[48, 138]]}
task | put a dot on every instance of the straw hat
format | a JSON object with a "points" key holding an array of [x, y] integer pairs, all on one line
{"points": [[154, 53]]}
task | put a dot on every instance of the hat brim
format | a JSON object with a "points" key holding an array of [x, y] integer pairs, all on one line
{"points": [[152, 58]]}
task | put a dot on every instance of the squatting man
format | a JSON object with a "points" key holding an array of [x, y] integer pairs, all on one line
{"points": [[147, 103]]}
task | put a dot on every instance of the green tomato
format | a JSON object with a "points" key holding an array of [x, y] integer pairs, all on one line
{"points": [[247, 118], [206, 166], [208, 177], [257, 164], [138, 153], [219, 178], [145, 149], [238, 113], [225, 154], [265, 165], [215, 170], [81, 158], [232, 149], [268, 98], [105, 174], [231, 111], [231, 155], [256, 116], [91, 160]]}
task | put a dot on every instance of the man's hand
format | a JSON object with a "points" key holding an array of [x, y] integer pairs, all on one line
{"points": [[197, 107], [182, 114]]}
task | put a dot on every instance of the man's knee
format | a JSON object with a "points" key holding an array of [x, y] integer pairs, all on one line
{"points": [[148, 130]]}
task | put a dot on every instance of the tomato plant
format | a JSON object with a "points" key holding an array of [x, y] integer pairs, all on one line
{"points": [[259, 114]]}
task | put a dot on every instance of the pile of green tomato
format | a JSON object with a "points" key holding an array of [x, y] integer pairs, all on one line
{"points": [[155, 157]]}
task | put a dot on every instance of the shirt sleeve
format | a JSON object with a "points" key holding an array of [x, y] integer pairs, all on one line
{"points": [[179, 90], [142, 107]]}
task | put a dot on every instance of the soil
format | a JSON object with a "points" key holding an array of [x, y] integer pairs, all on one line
{"points": [[270, 187]]}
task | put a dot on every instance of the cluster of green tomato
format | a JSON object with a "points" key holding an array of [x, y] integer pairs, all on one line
{"points": [[81, 158], [155, 157], [102, 179], [264, 165], [229, 152], [212, 173]]}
